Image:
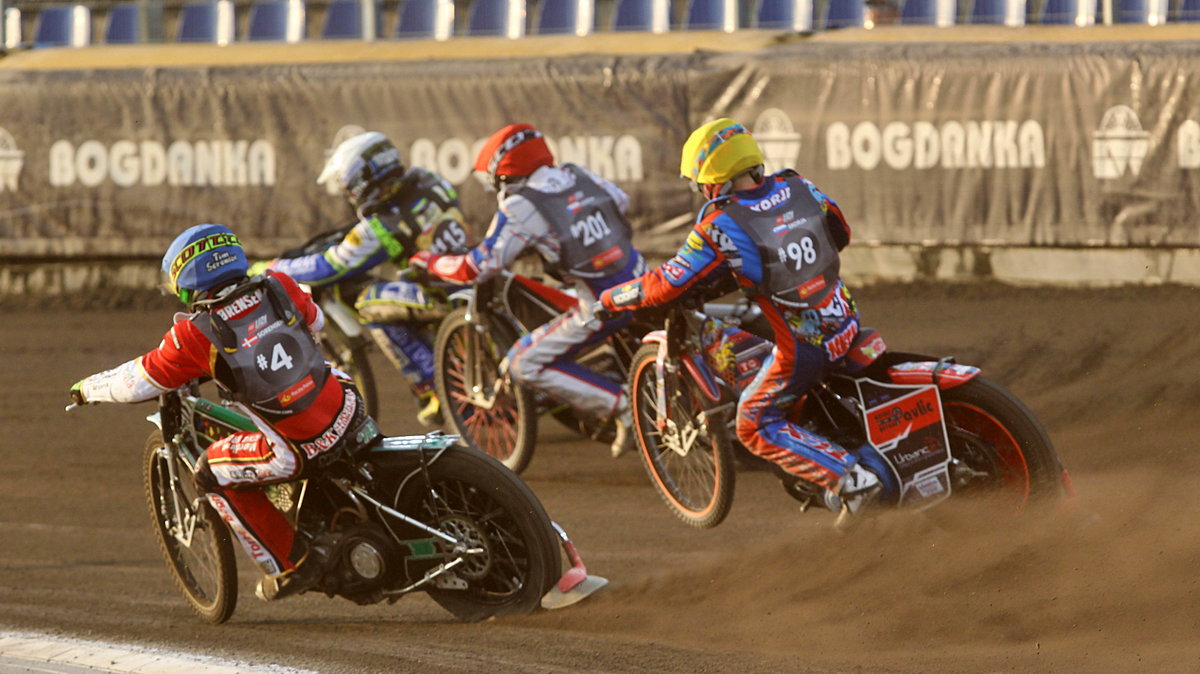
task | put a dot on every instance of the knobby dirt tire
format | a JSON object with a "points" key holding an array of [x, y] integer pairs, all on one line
{"points": [[994, 433], [206, 571], [698, 488], [488, 502], [507, 431]]}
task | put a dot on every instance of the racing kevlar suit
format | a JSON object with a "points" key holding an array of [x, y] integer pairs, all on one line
{"points": [[422, 213], [780, 242], [575, 221], [257, 343]]}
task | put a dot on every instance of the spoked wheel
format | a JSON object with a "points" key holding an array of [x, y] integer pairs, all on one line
{"points": [[689, 459], [511, 556], [194, 542], [490, 412], [997, 445]]}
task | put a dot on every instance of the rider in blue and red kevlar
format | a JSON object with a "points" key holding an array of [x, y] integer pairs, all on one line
{"points": [[575, 220], [400, 210], [255, 337], [778, 236]]}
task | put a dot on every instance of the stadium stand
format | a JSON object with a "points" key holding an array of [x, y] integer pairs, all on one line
{"points": [[497, 18], [206, 22], [276, 21], [351, 20], [1069, 12], [929, 12], [652, 16], [844, 14], [566, 17], [30, 23], [63, 26], [998, 12], [425, 20], [790, 15], [1149, 12], [712, 15], [1188, 10]]}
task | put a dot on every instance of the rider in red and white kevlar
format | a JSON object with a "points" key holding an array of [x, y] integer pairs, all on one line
{"points": [[254, 337], [575, 221], [778, 237]]}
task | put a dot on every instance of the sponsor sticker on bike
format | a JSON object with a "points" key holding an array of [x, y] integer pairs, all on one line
{"points": [[905, 424]]}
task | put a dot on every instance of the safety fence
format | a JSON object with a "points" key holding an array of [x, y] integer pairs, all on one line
{"points": [[973, 149]]}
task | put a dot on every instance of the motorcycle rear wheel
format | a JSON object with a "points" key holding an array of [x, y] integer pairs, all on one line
{"points": [[507, 430], [473, 497], [997, 445], [697, 486], [205, 570]]}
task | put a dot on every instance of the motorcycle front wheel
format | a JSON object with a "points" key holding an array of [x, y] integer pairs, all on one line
{"points": [[194, 541], [490, 412], [688, 458], [473, 498]]}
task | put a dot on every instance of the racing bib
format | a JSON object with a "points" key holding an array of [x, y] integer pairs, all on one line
{"points": [[259, 334], [800, 262], [595, 238]]}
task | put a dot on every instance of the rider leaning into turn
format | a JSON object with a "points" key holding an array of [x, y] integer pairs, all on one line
{"points": [[254, 337], [575, 221], [401, 210], [779, 238]]}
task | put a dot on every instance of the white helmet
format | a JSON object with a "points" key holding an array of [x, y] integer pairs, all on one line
{"points": [[362, 165]]}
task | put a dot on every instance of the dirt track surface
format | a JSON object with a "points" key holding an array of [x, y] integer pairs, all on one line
{"points": [[1112, 585]]}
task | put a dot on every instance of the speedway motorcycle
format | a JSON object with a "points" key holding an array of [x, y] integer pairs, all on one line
{"points": [[401, 515], [480, 401], [930, 428]]}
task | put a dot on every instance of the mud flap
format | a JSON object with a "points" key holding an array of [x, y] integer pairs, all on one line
{"points": [[575, 585]]}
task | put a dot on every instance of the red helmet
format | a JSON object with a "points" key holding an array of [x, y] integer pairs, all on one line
{"points": [[515, 151]]}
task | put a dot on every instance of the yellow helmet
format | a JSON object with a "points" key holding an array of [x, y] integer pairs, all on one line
{"points": [[717, 152]]}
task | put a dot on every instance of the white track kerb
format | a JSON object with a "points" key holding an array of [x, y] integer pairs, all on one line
{"points": [[32, 652]]}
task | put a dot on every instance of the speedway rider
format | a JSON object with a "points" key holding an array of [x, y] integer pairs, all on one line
{"points": [[255, 337], [400, 211], [778, 236], [575, 221]]}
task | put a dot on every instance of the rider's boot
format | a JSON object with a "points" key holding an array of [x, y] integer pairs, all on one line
{"points": [[431, 410], [313, 559], [858, 490], [622, 443]]}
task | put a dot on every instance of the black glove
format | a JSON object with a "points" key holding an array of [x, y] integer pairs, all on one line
{"points": [[602, 313]]}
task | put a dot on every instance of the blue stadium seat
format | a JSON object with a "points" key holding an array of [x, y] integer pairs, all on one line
{"points": [[566, 17], [929, 12], [845, 14], [350, 20], [642, 15], [276, 21], [206, 22], [790, 15], [1150, 12], [1188, 10], [998, 12], [121, 25], [497, 18], [712, 15], [63, 26], [425, 20], [1069, 12]]}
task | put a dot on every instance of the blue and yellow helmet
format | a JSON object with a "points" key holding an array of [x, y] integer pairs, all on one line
{"points": [[202, 258]]}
